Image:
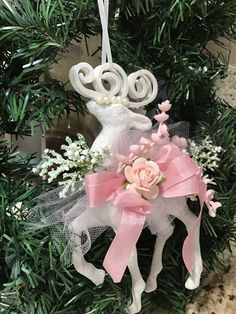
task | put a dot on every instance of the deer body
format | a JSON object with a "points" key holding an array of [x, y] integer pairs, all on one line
{"points": [[109, 215], [116, 118]]}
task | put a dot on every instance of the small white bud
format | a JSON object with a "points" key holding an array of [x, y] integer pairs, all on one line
{"points": [[70, 154], [73, 145], [85, 152]]}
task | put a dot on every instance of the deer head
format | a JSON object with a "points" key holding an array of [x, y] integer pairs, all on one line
{"points": [[113, 96]]}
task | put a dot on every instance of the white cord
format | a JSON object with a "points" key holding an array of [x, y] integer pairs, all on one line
{"points": [[103, 6]]}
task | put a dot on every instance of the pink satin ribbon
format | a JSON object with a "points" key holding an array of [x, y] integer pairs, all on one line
{"points": [[134, 213], [182, 179], [106, 186], [175, 166], [101, 186]]}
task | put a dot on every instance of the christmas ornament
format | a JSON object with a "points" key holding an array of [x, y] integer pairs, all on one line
{"points": [[147, 180]]}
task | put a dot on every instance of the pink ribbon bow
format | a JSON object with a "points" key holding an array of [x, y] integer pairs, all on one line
{"points": [[182, 178], [106, 186]]}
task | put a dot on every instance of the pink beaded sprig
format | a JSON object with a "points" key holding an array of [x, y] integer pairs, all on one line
{"points": [[148, 147], [159, 138]]}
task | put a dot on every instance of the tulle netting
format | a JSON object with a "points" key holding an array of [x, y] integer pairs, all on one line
{"points": [[59, 213]]}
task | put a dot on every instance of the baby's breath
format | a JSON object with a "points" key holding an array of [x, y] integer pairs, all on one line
{"points": [[71, 166], [206, 154]]}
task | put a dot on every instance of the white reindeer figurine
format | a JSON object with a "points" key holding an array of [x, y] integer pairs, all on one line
{"points": [[113, 110]]}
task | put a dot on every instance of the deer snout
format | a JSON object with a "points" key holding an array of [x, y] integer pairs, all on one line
{"points": [[110, 114], [119, 114]]}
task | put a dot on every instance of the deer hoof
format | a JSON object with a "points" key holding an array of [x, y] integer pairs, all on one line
{"points": [[151, 285], [134, 308], [98, 277], [191, 284], [136, 305]]}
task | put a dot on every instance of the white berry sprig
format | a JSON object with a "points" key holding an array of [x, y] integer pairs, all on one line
{"points": [[205, 154], [71, 166]]}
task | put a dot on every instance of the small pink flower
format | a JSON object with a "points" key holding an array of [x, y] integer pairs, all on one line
{"points": [[212, 206], [126, 159], [143, 141], [143, 177], [161, 117], [165, 106], [156, 138], [164, 130], [122, 158], [179, 141], [210, 194], [207, 180], [135, 149]]}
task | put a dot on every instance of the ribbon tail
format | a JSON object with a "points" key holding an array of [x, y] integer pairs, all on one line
{"points": [[120, 251], [189, 247]]}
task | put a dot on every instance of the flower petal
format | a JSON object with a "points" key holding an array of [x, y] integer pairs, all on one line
{"points": [[139, 161], [129, 174], [153, 165], [152, 193]]}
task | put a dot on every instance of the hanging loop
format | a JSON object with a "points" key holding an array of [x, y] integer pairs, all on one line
{"points": [[103, 6]]}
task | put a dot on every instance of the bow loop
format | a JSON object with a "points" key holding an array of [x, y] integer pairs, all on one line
{"points": [[100, 186]]}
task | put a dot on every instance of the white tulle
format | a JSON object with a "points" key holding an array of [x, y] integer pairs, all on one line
{"points": [[59, 213]]}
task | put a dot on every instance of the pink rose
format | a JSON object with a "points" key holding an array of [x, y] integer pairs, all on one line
{"points": [[143, 177]]}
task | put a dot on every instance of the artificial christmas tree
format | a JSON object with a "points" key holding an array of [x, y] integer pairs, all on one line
{"points": [[167, 37]]}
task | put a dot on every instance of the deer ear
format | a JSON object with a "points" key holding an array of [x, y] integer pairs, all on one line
{"points": [[140, 122]]}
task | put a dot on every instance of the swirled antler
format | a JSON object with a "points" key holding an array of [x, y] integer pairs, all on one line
{"points": [[110, 80], [143, 88], [114, 76]]}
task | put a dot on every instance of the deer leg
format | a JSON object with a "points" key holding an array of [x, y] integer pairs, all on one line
{"points": [[156, 266], [189, 219], [87, 269], [88, 219], [138, 284]]}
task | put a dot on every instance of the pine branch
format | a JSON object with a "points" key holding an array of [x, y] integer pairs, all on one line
{"points": [[24, 107], [166, 36]]}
